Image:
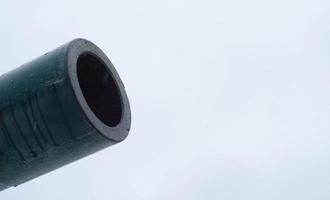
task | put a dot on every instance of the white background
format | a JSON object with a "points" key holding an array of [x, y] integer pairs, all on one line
{"points": [[230, 99]]}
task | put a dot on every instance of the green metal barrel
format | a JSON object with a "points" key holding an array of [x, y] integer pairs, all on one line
{"points": [[58, 108]]}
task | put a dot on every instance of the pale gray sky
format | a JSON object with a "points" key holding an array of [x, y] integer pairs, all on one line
{"points": [[230, 99]]}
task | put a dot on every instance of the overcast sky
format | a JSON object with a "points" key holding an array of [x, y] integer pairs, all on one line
{"points": [[230, 99]]}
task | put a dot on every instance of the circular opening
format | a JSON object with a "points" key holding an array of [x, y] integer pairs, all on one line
{"points": [[99, 89]]}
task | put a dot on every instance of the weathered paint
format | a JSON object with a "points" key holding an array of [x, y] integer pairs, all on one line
{"points": [[44, 121]]}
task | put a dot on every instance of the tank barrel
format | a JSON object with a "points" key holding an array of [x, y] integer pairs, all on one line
{"points": [[58, 108]]}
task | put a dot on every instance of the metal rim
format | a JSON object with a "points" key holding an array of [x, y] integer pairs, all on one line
{"points": [[76, 48]]}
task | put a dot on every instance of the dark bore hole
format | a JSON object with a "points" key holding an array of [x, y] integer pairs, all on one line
{"points": [[99, 89]]}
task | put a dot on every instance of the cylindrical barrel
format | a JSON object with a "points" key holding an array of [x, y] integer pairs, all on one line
{"points": [[58, 108]]}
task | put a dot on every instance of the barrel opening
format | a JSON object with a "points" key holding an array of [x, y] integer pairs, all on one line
{"points": [[99, 89]]}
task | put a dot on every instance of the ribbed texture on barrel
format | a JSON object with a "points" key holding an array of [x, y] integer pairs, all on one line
{"points": [[26, 132]]}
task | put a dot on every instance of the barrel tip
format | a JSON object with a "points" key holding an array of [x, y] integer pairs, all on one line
{"points": [[99, 89]]}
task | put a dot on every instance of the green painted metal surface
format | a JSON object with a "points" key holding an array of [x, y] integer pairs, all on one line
{"points": [[58, 108]]}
